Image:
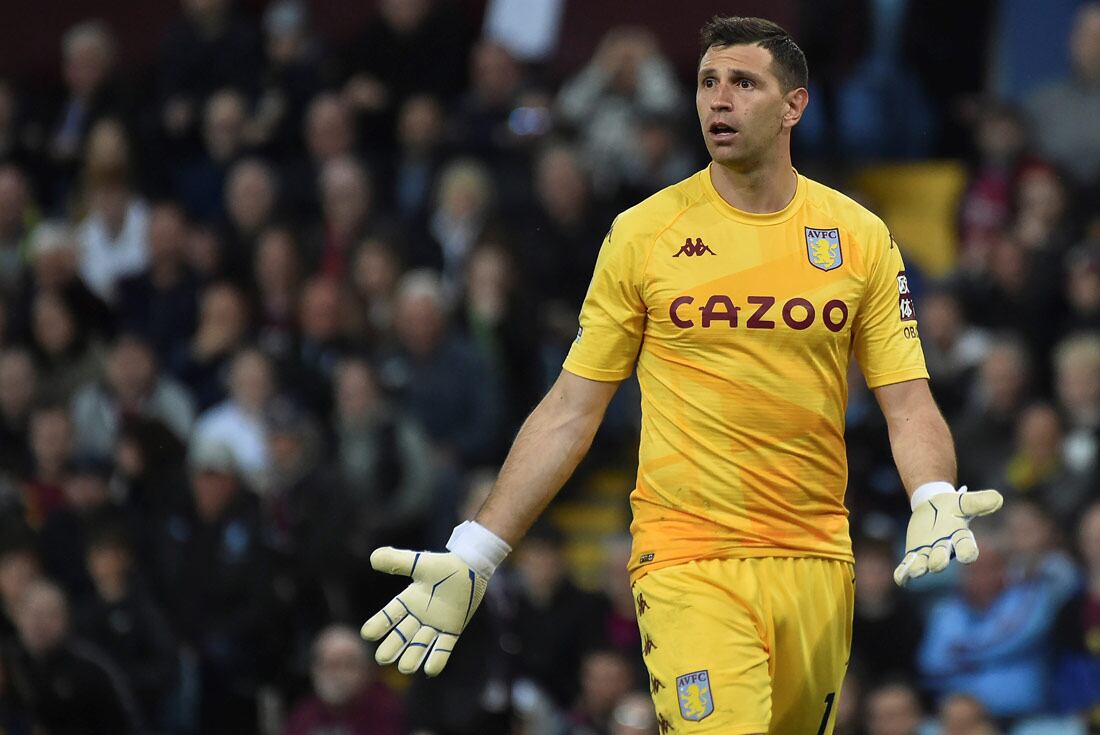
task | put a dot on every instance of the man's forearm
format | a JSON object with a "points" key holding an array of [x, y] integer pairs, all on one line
{"points": [[549, 446], [919, 437], [923, 449]]}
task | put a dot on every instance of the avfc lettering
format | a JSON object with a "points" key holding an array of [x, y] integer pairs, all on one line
{"points": [[796, 313]]}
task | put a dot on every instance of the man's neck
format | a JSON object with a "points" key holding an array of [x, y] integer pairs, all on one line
{"points": [[764, 189]]}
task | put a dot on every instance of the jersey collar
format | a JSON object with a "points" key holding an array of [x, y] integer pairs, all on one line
{"points": [[753, 218]]}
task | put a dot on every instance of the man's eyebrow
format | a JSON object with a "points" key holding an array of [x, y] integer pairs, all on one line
{"points": [[710, 71]]}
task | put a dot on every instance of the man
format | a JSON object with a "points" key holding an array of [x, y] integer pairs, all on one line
{"points": [[739, 294]]}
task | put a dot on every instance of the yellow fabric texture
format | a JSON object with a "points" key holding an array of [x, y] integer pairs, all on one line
{"points": [[773, 636], [741, 327]]}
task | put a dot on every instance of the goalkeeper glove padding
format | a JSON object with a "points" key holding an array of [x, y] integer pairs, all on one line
{"points": [[940, 528], [425, 620]]}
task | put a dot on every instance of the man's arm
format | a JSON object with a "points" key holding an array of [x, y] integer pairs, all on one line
{"points": [[925, 457], [919, 438], [422, 624], [548, 448]]}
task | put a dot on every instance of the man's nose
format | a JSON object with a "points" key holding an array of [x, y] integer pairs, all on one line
{"points": [[722, 98]]}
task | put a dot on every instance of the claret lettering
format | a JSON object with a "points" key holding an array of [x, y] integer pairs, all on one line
{"points": [[720, 310]]}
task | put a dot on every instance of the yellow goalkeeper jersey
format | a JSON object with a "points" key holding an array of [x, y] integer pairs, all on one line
{"points": [[741, 327]]}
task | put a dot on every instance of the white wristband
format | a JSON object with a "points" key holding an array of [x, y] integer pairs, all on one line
{"points": [[931, 489], [479, 547]]}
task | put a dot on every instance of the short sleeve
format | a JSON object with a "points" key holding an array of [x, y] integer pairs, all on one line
{"points": [[887, 343], [613, 313]]}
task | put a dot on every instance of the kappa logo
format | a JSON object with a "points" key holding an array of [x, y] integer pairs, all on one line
{"points": [[697, 248]]}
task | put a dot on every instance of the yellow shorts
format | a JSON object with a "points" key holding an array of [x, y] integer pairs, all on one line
{"points": [[756, 645]]}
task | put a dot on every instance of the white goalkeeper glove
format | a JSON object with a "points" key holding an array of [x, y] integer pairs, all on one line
{"points": [[425, 620], [940, 527]]}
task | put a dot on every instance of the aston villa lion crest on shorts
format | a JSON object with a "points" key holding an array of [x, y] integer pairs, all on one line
{"points": [[823, 248], [693, 691]]}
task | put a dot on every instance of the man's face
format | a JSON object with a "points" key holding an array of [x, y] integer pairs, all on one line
{"points": [[741, 104]]}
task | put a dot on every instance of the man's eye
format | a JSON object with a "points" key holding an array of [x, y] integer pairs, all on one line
{"points": [[745, 84], [708, 83]]}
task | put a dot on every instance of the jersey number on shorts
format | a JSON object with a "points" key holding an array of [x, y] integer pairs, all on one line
{"points": [[828, 708]]}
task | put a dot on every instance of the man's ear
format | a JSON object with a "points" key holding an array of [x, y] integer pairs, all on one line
{"points": [[795, 101]]}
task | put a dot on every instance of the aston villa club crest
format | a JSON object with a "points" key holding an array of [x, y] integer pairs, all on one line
{"points": [[823, 248], [693, 691]]}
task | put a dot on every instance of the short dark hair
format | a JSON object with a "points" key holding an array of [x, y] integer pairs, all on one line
{"points": [[732, 30]]}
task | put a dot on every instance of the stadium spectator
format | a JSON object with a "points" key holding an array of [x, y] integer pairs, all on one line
{"points": [[375, 272], [1076, 651], [212, 577], [347, 698], [953, 349], [438, 378], [384, 62], [120, 617], [634, 715], [991, 638], [92, 92], [562, 231], [67, 358], [19, 568], [132, 386], [296, 67], [251, 195], [1082, 289], [663, 158], [150, 473], [1061, 111], [496, 319], [17, 393], [1001, 143], [238, 421], [321, 340], [161, 303], [328, 130], [384, 459], [208, 48], [620, 619], [1039, 470], [200, 182], [72, 687], [483, 118], [113, 236], [886, 628], [347, 215], [892, 708], [17, 216], [51, 440], [222, 330], [605, 678], [961, 714], [309, 515], [627, 79], [463, 211], [553, 617], [412, 169], [88, 506], [986, 427], [53, 257], [276, 275], [1077, 385]]}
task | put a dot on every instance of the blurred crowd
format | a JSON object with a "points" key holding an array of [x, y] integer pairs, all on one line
{"points": [[271, 303]]}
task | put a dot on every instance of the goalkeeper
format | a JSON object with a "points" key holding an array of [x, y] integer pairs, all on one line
{"points": [[739, 296]]}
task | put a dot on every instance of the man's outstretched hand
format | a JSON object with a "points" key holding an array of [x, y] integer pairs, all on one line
{"points": [[425, 620], [940, 528]]}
